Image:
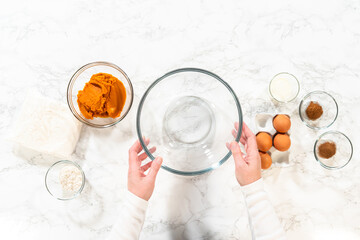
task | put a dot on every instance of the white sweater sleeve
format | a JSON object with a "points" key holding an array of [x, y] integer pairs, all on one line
{"points": [[131, 219], [264, 223]]}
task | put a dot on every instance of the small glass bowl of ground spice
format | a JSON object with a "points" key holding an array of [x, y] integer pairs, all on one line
{"points": [[100, 94], [318, 110], [65, 180], [333, 150]]}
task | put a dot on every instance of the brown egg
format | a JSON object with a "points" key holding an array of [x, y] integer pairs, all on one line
{"points": [[282, 142], [266, 160], [282, 123], [263, 141]]}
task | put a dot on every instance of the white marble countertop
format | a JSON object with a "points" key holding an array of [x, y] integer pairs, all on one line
{"points": [[42, 43]]}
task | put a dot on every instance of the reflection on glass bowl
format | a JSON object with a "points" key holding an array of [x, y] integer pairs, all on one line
{"points": [[344, 150], [188, 114], [82, 76], [329, 107]]}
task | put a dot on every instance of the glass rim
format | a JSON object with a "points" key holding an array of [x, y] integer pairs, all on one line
{"points": [[82, 183], [320, 162], [303, 119], [77, 74], [141, 103], [297, 93]]}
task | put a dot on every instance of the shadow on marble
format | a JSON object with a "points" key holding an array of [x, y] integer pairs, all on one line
{"points": [[33, 157], [82, 145], [184, 219], [94, 138], [86, 209]]}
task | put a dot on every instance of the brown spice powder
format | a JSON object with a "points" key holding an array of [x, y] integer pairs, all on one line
{"points": [[314, 110], [327, 149]]}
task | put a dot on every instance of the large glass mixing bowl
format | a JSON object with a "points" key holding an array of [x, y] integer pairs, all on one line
{"points": [[188, 114]]}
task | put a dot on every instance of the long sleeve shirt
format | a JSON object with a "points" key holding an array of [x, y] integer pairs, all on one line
{"points": [[264, 223]]}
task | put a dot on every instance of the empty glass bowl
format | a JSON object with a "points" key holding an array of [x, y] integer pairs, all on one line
{"points": [[82, 76], [65, 180], [329, 107], [188, 114], [344, 150]]}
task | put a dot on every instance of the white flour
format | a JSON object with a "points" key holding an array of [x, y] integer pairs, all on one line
{"points": [[70, 178], [47, 126]]}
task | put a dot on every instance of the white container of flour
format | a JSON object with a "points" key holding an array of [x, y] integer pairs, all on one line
{"points": [[45, 127]]}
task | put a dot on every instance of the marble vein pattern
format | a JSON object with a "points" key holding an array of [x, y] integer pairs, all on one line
{"points": [[42, 43]]}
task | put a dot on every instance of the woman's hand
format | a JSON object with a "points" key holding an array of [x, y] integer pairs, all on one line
{"points": [[247, 166], [139, 183]]}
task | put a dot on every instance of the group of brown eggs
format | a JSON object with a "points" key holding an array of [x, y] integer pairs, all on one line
{"points": [[280, 140]]}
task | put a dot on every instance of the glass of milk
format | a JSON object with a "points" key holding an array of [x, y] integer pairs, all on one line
{"points": [[284, 87]]}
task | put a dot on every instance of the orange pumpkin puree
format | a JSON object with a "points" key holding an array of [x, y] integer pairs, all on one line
{"points": [[103, 96]]}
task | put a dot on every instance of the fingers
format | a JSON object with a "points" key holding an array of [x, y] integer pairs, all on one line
{"points": [[136, 147], [154, 169], [247, 132], [143, 156], [234, 132], [236, 125], [134, 164], [243, 140], [145, 167], [251, 145], [237, 155], [228, 146], [248, 139]]}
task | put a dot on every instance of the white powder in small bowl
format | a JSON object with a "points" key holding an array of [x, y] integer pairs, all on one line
{"points": [[70, 178], [284, 87]]}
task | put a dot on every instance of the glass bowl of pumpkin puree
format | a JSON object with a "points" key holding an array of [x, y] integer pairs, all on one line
{"points": [[100, 94], [189, 115]]}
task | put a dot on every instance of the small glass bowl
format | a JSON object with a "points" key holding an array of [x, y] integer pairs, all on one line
{"points": [[82, 76], [52, 181], [293, 87], [328, 104], [344, 150]]}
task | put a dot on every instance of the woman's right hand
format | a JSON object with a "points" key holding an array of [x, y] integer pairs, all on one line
{"points": [[247, 166]]}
